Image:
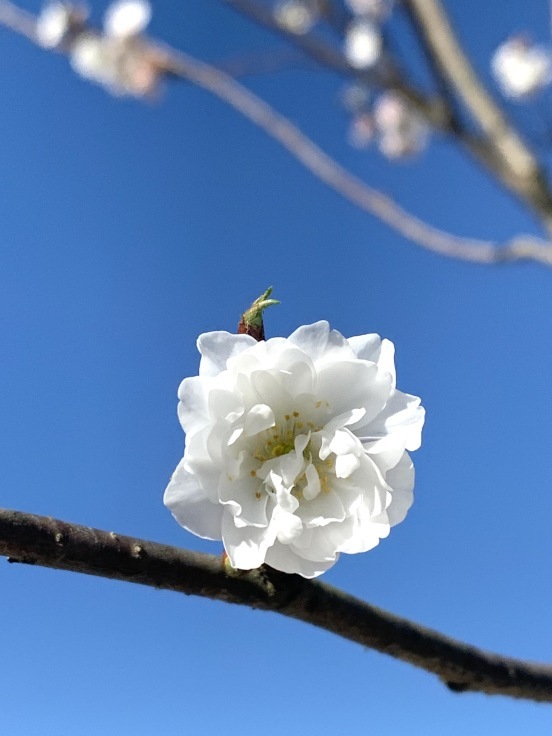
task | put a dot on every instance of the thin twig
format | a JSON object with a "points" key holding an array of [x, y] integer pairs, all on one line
{"points": [[18, 20], [492, 148], [332, 59], [323, 166], [342, 181], [48, 542], [265, 62]]}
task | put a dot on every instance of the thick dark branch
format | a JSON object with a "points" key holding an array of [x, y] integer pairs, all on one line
{"points": [[56, 544]]}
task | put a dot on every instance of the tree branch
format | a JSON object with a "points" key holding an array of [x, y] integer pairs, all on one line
{"points": [[499, 149], [328, 57], [514, 163], [342, 181], [48, 542]]}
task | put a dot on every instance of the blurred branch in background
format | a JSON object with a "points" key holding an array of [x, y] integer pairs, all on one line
{"points": [[497, 145], [128, 63], [38, 540], [506, 153]]}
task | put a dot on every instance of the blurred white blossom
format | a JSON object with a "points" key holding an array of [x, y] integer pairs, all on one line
{"points": [[297, 16], [91, 59], [122, 68], [57, 22], [295, 448], [520, 67], [119, 59], [363, 44], [126, 18], [402, 132]]}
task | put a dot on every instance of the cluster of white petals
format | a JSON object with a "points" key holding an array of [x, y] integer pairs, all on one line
{"points": [[521, 68], [119, 59], [127, 18], [388, 121], [296, 449], [363, 43], [58, 22], [402, 132]]}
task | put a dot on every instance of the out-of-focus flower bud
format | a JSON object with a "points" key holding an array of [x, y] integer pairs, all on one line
{"points": [[363, 44], [402, 132], [58, 23], [521, 68], [126, 18], [297, 16]]}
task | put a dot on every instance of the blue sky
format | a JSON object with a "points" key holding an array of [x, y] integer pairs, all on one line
{"points": [[126, 230]]}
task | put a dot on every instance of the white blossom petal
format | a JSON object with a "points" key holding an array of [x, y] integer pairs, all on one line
{"points": [[398, 425], [401, 480], [217, 348], [247, 546], [345, 465], [257, 419], [386, 360], [320, 343], [284, 558], [221, 403], [366, 347], [322, 510], [288, 526], [355, 384], [193, 408], [190, 506], [312, 489]]}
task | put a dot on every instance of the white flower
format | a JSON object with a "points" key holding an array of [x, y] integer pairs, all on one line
{"points": [[91, 59], [123, 67], [295, 448], [363, 44], [296, 16], [402, 132], [521, 68], [57, 21], [126, 18]]}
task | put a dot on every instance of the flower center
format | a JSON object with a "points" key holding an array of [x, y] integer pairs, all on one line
{"points": [[299, 464], [280, 439]]}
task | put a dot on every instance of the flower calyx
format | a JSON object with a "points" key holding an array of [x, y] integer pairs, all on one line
{"points": [[251, 322]]}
